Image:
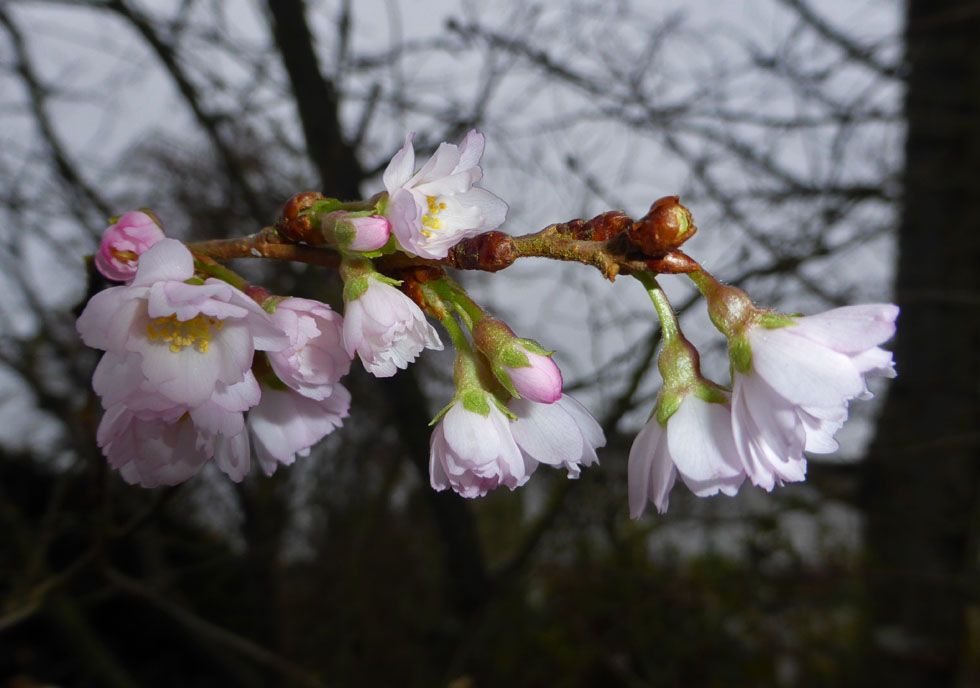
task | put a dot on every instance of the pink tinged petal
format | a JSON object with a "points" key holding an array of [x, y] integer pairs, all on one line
{"points": [[540, 381], [775, 419], [699, 439], [850, 329], [874, 362], [230, 352], [232, 455], [168, 259], [438, 447], [709, 488], [651, 471], [492, 209], [819, 434], [471, 150], [802, 371], [95, 322], [401, 167], [591, 430], [764, 463], [186, 377], [545, 432], [441, 164], [117, 377], [285, 424], [471, 435]]}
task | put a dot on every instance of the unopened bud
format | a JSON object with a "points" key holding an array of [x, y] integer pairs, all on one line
{"points": [[365, 233], [122, 244], [521, 365], [294, 224], [665, 227]]}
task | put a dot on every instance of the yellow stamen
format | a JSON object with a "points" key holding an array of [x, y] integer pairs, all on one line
{"points": [[429, 219], [179, 334]]}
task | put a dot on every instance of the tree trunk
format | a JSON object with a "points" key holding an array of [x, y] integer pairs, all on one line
{"points": [[921, 479]]}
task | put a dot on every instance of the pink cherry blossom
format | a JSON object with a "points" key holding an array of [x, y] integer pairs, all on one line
{"points": [[189, 337], [123, 243], [432, 209], [154, 447], [560, 434], [285, 424], [474, 453], [315, 358], [386, 329], [540, 381], [795, 395], [697, 444]]}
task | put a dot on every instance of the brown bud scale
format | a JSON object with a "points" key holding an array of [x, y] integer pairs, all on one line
{"points": [[666, 226], [490, 252], [296, 227]]}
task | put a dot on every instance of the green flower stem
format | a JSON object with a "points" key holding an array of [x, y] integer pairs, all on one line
{"points": [[668, 320], [451, 292], [218, 271]]}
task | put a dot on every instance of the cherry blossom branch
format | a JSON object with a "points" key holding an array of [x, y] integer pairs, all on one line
{"points": [[611, 242]]}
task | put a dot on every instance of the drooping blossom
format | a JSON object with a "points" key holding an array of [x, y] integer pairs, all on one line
{"points": [[154, 442], [123, 243], [316, 358], [385, 328], [473, 451], [434, 208], [286, 423], [560, 434], [696, 444], [802, 373]]}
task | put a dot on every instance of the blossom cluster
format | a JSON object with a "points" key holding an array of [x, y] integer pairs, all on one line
{"points": [[199, 365]]}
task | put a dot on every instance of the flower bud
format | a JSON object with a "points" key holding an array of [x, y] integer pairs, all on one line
{"points": [[521, 365], [122, 244], [368, 233], [665, 227], [294, 224]]}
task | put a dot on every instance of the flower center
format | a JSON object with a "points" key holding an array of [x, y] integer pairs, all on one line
{"points": [[429, 219], [195, 332]]}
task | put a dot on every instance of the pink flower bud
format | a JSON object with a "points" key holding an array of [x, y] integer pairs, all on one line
{"points": [[540, 381], [366, 233], [123, 243]]}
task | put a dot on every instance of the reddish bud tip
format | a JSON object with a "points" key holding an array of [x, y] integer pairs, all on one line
{"points": [[296, 227], [490, 251], [665, 227]]}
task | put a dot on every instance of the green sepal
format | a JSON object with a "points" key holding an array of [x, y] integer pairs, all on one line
{"points": [[667, 405], [271, 303], [502, 407], [327, 205], [444, 411], [535, 348], [475, 401], [355, 287], [504, 379], [772, 320], [740, 353], [345, 233], [196, 281], [385, 250], [710, 394], [512, 357], [387, 280], [114, 219]]}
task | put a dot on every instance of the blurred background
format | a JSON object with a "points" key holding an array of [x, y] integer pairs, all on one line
{"points": [[830, 153]]}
